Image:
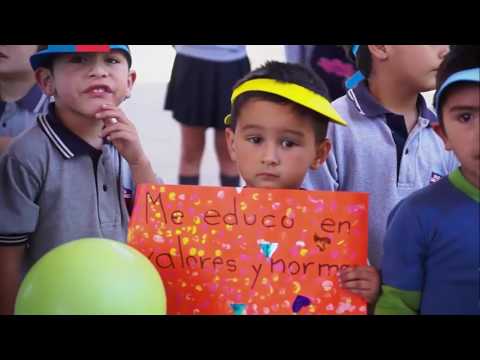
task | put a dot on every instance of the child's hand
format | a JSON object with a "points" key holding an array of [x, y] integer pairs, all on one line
{"points": [[361, 280], [122, 133]]}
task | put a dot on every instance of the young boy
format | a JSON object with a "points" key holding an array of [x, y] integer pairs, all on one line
{"points": [[430, 265], [70, 176], [277, 132], [21, 100], [389, 148]]}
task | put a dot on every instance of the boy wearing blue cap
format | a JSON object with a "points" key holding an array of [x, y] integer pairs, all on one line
{"points": [[430, 265], [280, 113], [72, 175], [390, 148], [21, 99]]}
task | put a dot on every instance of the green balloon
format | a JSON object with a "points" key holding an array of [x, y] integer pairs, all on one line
{"points": [[92, 277]]}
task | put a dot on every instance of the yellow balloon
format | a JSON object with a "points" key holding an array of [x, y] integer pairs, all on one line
{"points": [[92, 276]]}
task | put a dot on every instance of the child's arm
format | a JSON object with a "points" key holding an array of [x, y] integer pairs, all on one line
{"points": [[18, 218], [142, 172], [11, 258], [402, 264], [123, 134]]}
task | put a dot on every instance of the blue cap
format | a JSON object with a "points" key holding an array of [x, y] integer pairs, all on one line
{"points": [[39, 58], [469, 75]]}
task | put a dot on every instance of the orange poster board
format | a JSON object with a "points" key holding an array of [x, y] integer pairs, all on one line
{"points": [[222, 250]]}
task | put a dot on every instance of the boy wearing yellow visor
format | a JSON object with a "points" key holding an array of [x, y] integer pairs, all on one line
{"points": [[278, 124], [280, 113]]}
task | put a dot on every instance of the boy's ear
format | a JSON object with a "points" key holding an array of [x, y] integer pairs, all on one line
{"points": [[441, 132], [44, 79], [379, 52], [132, 76], [322, 151], [230, 138]]}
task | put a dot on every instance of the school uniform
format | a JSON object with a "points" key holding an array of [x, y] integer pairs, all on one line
{"points": [[376, 154], [57, 188]]}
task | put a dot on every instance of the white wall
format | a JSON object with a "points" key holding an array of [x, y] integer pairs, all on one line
{"points": [[153, 63]]}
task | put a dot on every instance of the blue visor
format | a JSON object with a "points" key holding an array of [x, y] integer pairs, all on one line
{"points": [[470, 75], [39, 58]]}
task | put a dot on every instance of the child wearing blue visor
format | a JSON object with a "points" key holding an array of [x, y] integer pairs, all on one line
{"points": [[73, 174], [390, 148], [430, 264]]}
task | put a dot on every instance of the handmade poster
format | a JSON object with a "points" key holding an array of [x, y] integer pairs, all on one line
{"points": [[222, 250]]}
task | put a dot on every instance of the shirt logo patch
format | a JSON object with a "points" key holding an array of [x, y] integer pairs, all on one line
{"points": [[435, 177]]}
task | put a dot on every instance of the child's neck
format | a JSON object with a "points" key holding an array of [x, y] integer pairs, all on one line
{"points": [[396, 97], [471, 176], [299, 187], [86, 128], [13, 89]]}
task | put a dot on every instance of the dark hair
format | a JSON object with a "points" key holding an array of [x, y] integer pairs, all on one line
{"points": [[291, 73], [363, 58], [460, 57]]}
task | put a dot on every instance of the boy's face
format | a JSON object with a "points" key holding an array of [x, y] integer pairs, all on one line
{"points": [[83, 82], [14, 60], [460, 114], [417, 65], [273, 146]]}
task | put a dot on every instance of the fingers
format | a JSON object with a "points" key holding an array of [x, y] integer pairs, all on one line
{"points": [[119, 131], [113, 128], [115, 121], [112, 115], [121, 135], [361, 280], [357, 285], [358, 273]]}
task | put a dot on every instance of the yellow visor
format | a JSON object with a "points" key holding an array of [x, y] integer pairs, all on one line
{"points": [[293, 92]]}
